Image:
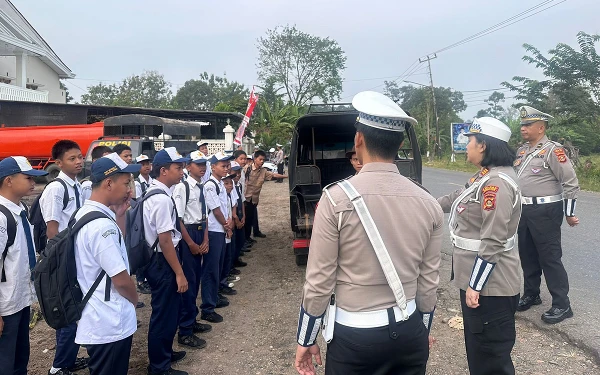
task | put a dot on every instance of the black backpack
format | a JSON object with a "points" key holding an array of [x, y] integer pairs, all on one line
{"points": [[138, 250], [11, 230], [37, 219], [55, 277]]}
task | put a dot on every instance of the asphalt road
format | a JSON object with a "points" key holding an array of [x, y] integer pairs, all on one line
{"points": [[581, 256]]}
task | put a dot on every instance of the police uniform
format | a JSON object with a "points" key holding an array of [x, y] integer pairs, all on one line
{"points": [[213, 260], [484, 217], [550, 187], [373, 333], [51, 205], [192, 211], [106, 327], [160, 216], [279, 161], [15, 287]]}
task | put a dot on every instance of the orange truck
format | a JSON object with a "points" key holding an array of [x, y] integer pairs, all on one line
{"points": [[35, 142]]}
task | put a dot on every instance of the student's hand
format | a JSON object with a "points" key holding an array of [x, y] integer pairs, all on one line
{"points": [[121, 209], [204, 248], [182, 283], [194, 248]]}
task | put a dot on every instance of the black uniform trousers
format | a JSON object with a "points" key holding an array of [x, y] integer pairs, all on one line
{"points": [[111, 358], [251, 219], [280, 171], [540, 251], [14, 343], [192, 269], [401, 348], [490, 334]]}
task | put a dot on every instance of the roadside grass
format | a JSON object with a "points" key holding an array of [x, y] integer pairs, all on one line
{"points": [[589, 177]]}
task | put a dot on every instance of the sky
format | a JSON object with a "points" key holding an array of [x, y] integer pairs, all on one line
{"points": [[106, 41]]}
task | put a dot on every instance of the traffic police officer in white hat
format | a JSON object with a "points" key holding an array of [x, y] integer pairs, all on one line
{"points": [[388, 320], [550, 186], [484, 216]]}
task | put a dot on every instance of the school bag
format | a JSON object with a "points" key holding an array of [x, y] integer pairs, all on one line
{"points": [[139, 251], [37, 220], [55, 277], [11, 231]]}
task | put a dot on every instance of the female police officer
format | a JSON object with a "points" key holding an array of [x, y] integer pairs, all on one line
{"points": [[484, 217]]}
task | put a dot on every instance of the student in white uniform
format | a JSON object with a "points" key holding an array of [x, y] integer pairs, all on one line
{"points": [[232, 199], [106, 327], [16, 182], [143, 181], [203, 148], [70, 161], [86, 183], [164, 272]]}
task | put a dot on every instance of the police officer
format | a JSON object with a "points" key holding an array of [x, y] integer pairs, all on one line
{"points": [[484, 217], [550, 188], [278, 161], [377, 329]]}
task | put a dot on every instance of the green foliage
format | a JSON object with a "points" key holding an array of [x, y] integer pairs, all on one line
{"points": [[211, 92], [306, 66], [148, 90], [275, 122]]}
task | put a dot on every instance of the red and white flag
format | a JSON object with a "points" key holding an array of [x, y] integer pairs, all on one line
{"points": [[251, 104]]}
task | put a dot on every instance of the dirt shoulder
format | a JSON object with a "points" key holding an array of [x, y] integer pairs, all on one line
{"points": [[258, 334]]}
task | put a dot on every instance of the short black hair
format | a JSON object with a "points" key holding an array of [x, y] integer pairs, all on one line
{"points": [[258, 153], [120, 147], [155, 172], [99, 151], [237, 153], [380, 143], [2, 181], [497, 153], [62, 146]]}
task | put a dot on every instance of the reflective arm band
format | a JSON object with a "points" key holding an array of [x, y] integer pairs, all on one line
{"points": [[308, 328], [482, 270], [570, 207], [427, 319]]}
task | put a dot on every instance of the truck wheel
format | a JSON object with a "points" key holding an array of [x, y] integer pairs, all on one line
{"points": [[301, 259], [53, 171]]}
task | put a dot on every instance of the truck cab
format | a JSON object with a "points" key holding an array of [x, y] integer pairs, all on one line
{"points": [[317, 158]]}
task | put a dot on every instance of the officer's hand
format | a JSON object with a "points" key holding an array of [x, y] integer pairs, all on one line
{"points": [[182, 283], [1, 326], [431, 341], [572, 220], [472, 298], [304, 359]]}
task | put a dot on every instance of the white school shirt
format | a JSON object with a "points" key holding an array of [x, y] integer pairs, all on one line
{"points": [[15, 293], [138, 185], [51, 201], [215, 201], [86, 190], [97, 248], [208, 172], [230, 207], [160, 215], [190, 211]]}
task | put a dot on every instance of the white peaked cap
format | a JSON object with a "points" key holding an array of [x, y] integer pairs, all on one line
{"points": [[379, 111], [491, 127]]}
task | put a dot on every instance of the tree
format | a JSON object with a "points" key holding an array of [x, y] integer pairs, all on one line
{"points": [[211, 92], [68, 97], [495, 109], [306, 66], [275, 123], [148, 90]]}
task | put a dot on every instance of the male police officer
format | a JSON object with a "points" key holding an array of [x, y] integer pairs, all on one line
{"points": [[549, 187], [392, 336]]}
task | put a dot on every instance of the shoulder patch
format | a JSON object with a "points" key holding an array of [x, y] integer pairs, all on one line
{"points": [[489, 197], [2, 230], [490, 188], [560, 155], [522, 152], [109, 233]]}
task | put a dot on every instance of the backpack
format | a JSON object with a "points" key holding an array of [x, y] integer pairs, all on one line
{"points": [[37, 219], [55, 277], [11, 229], [138, 250]]}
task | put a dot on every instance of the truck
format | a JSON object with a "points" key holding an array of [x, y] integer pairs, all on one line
{"points": [[317, 158]]}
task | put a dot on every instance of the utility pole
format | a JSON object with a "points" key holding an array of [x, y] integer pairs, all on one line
{"points": [[428, 58]]}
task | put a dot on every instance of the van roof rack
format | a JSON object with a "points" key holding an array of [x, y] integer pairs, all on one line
{"points": [[336, 107]]}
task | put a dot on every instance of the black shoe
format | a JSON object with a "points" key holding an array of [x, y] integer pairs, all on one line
{"points": [[177, 356], [223, 297], [213, 317], [239, 263], [63, 371], [170, 371], [140, 304], [260, 235], [526, 302], [247, 249], [144, 288], [80, 364], [556, 315], [222, 303], [192, 341], [251, 240], [202, 328], [235, 272], [228, 291]]}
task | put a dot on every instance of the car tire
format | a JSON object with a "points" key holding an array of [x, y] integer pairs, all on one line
{"points": [[53, 171]]}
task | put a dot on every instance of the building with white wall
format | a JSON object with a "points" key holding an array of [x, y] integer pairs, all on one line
{"points": [[29, 68]]}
